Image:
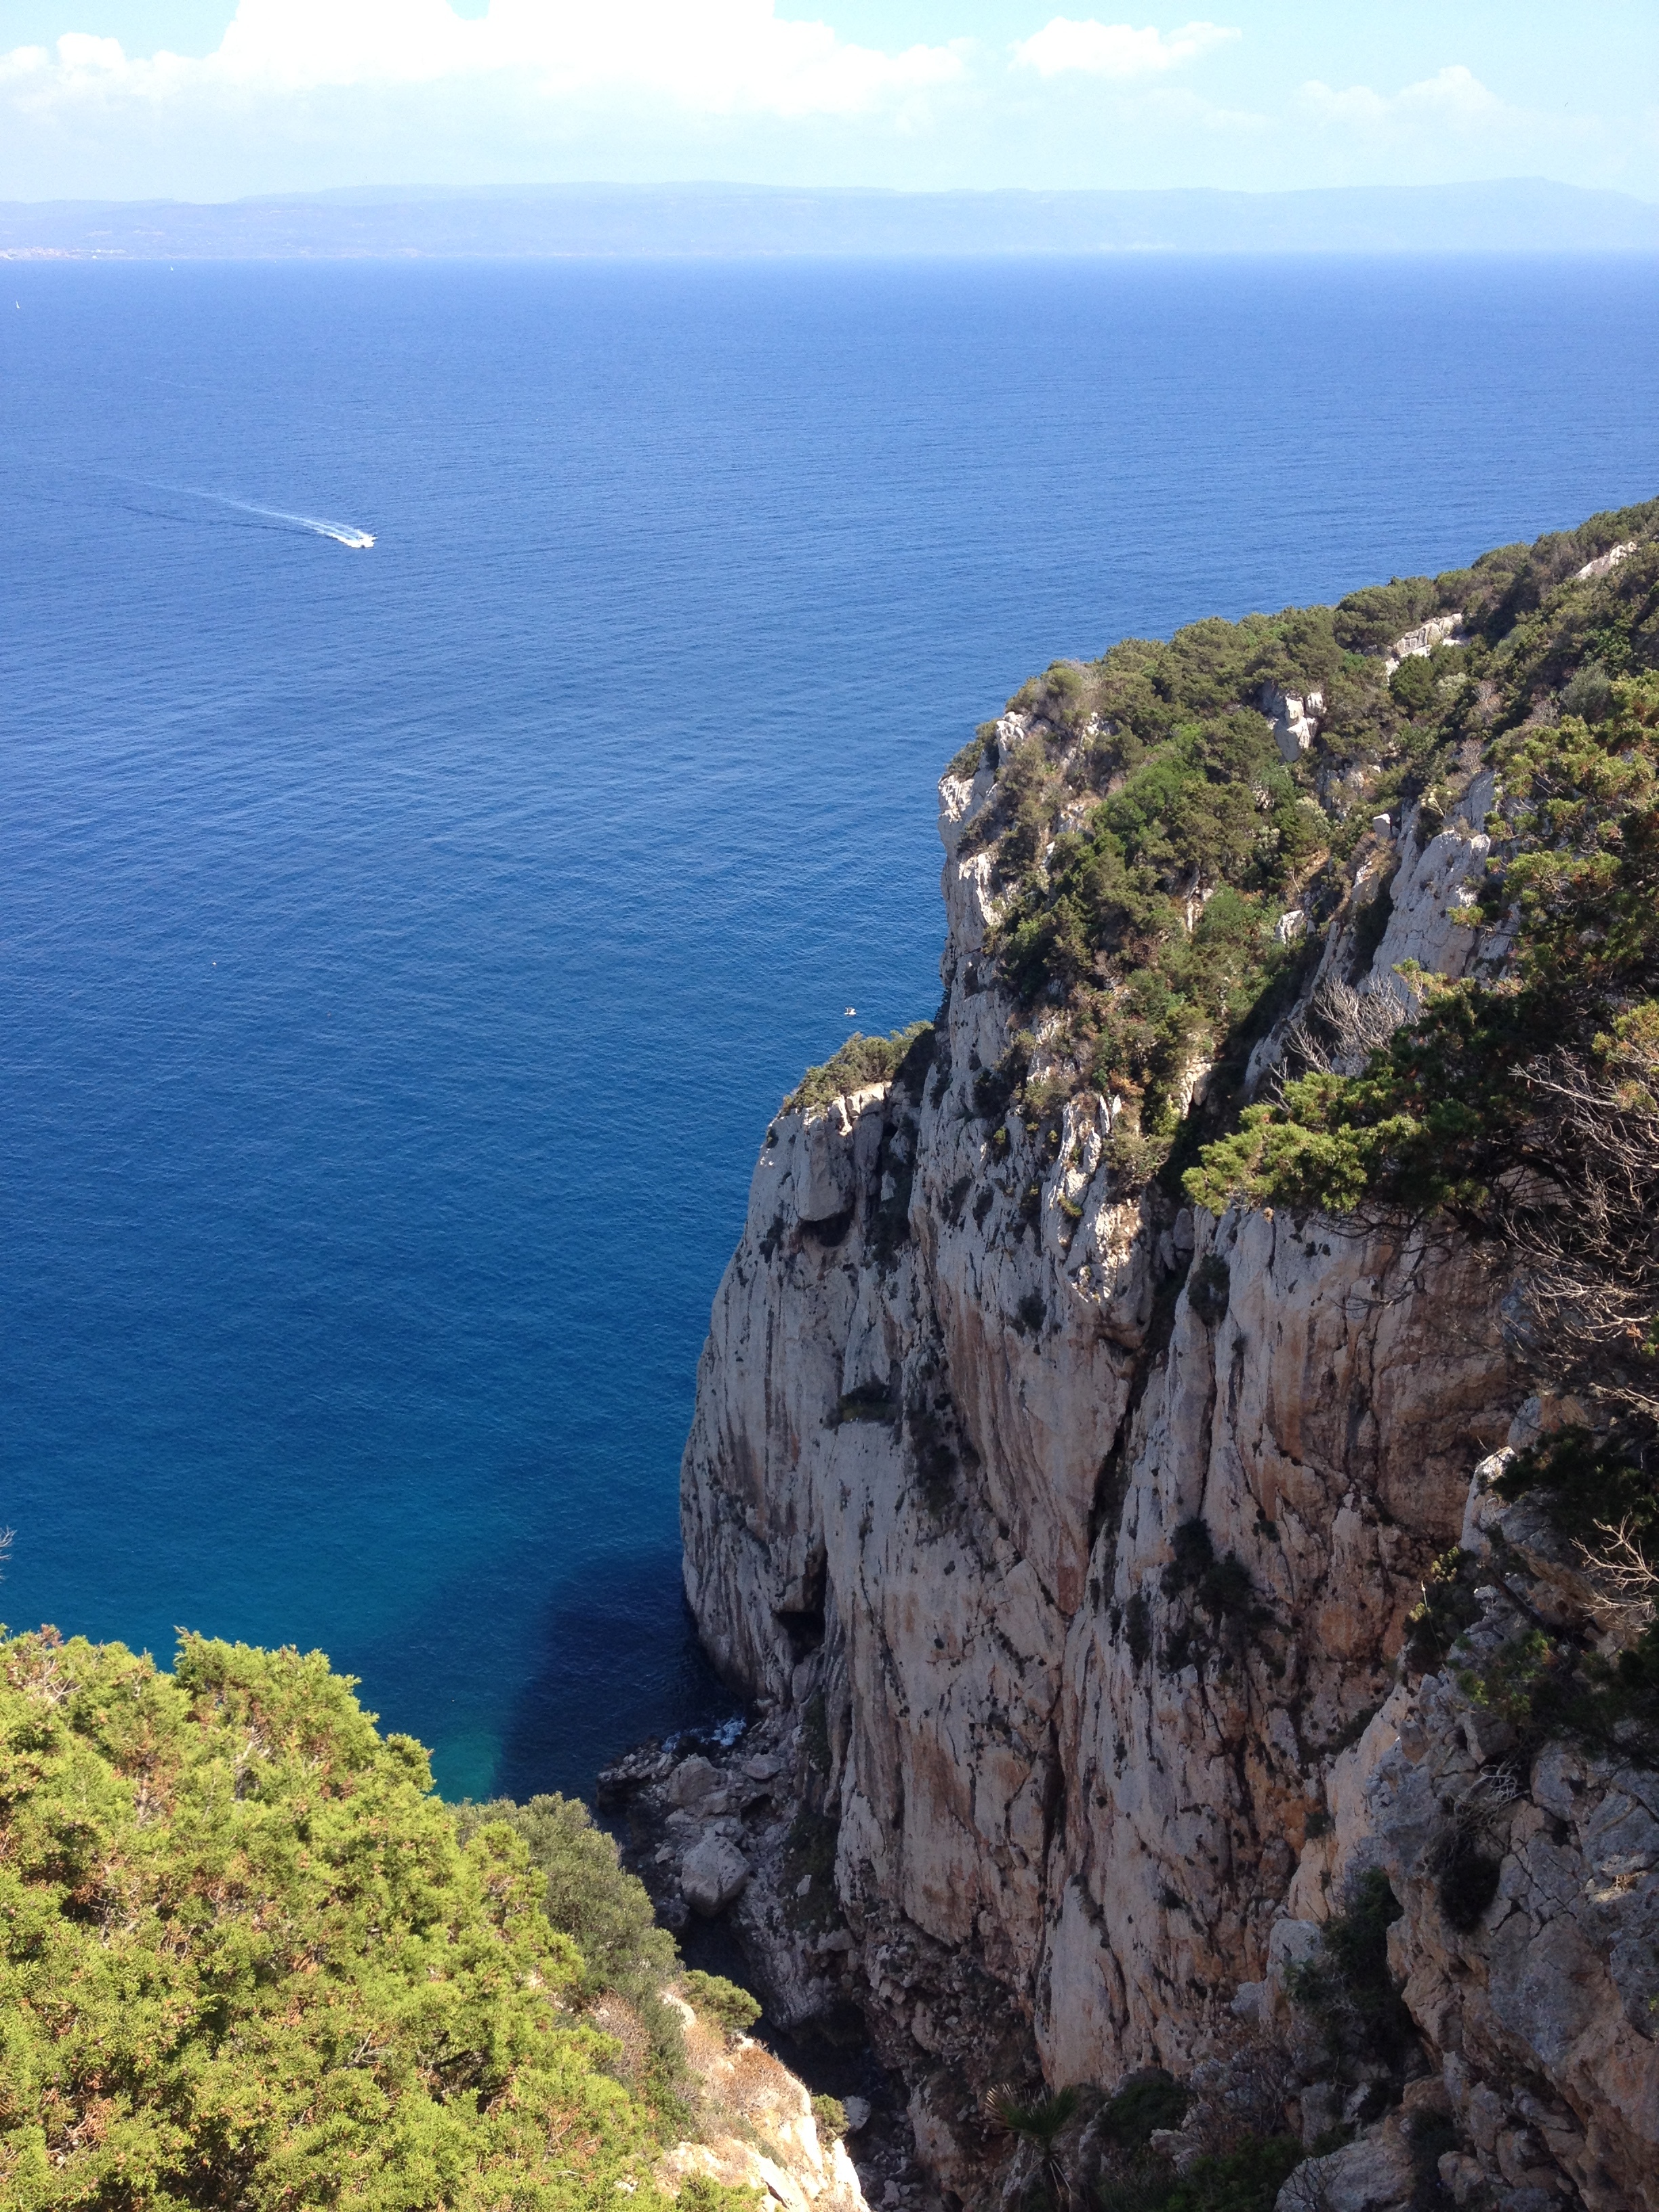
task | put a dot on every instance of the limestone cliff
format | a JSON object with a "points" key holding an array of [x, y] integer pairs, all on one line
{"points": [[1067, 1533]]}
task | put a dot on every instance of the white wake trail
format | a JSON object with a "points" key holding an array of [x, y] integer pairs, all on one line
{"points": [[343, 534]]}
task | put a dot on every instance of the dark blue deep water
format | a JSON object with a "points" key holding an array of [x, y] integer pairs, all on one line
{"points": [[402, 950]]}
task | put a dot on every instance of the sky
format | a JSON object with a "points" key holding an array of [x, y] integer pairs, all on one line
{"points": [[208, 99]]}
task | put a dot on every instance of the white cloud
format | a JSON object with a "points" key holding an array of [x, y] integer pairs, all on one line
{"points": [[77, 51], [715, 58], [1116, 50], [1453, 95]]}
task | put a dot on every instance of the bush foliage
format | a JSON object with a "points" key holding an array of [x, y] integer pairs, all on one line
{"points": [[1348, 1988], [731, 2007], [864, 1060], [591, 1897], [249, 1958], [1522, 1102], [1148, 838], [1443, 1112]]}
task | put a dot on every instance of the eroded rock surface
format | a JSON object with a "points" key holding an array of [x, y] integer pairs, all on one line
{"points": [[1068, 1539], [762, 2133]]}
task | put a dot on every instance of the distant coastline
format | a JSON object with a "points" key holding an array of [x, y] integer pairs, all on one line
{"points": [[709, 221]]}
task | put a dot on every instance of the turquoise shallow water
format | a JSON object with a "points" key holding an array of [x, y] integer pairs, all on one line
{"points": [[404, 948]]}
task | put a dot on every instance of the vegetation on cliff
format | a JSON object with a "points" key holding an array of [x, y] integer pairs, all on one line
{"points": [[862, 1061], [1150, 842], [623, 1955], [249, 1958], [1523, 1104], [1168, 878], [1473, 1092]]}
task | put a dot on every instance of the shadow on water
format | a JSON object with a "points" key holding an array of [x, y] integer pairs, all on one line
{"points": [[618, 1651]]}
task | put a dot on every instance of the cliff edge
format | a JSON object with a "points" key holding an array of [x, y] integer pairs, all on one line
{"points": [[1076, 1537]]}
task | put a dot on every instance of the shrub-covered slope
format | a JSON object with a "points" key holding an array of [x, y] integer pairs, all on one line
{"points": [[1167, 871], [250, 1960], [1150, 845]]}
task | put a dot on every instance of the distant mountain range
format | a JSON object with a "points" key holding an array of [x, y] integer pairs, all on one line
{"points": [[1520, 215]]}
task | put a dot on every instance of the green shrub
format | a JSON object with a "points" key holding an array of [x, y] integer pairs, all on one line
{"points": [[1372, 618], [1547, 1685], [1245, 2180], [590, 1895], [701, 2192], [1446, 1609], [247, 1958], [830, 2117], [1412, 686], [1154, 2100], [1438, 1120], [1593, 1482], [1348, 1989], [930, 1438], [1143, 921], [994, 1087], [870, 1401], [1039, 2121], [862, 1062], [729, 2006], [1207, 1289], [1226, 1607], [966, 763], [1467, 1883], [1142, 2185], [1194, 792], [1589, 694]]}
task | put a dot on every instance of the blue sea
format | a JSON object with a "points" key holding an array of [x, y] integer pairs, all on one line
{"points": [[404, 947]]}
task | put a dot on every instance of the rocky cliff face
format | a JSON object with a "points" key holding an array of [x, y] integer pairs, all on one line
{"points": [[1067, 1537], [760, 2131]]}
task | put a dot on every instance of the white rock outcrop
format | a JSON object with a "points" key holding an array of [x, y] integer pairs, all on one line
{"points": [[712, 1875], [1416, 644], [1294, 718], [762, 2132], [1605, 563]]}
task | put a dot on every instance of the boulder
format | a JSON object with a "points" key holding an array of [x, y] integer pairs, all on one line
{"points": [[692, 1780], [1373, 2175], [714, 1873]]}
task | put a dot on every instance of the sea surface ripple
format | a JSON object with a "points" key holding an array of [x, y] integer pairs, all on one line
{"points": [[405, 945]]}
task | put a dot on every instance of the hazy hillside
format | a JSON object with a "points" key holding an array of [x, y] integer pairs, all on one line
{"points": [[1520, 215]]}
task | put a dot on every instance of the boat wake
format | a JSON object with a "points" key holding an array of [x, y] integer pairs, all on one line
{"points": [[343, 534]]}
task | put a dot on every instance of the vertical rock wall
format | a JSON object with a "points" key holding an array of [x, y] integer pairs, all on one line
{"points": [[1094, 1576]]}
